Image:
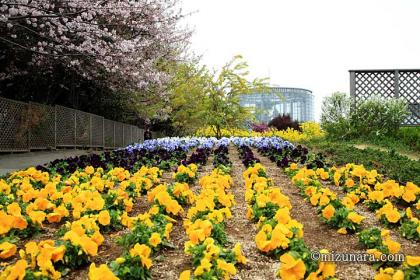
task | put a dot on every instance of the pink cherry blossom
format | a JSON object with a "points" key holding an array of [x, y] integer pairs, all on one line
{"points": [[121, 40]]}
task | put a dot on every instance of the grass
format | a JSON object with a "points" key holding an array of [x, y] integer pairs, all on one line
{"points": [[390, 163], [407, 140]]}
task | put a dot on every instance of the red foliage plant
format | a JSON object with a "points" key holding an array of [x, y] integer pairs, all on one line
{"points": [[283, 122], [259, 127]]}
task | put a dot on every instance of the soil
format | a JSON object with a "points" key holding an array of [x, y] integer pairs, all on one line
{"points": [[240, 229], [171, 262], [407, 247], [317, 235]]}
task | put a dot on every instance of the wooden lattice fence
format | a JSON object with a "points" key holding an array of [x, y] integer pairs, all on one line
{"points": [[403, 84]]}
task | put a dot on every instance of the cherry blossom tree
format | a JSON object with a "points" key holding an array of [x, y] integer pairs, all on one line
{"points": [[116, 42]]}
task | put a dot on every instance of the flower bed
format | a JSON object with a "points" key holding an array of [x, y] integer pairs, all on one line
{"points": [[54, 219]]}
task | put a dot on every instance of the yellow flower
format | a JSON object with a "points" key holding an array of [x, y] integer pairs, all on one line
{"points": [[45, 258], [249, 214], [14, 209], [342, 231], [348, 202], [89, 170], [185, 275], [409, 213], [328, 212], [413, 260], [120, 260], [291, 268], [173, 207], [155, 239], [389, 274], [229, 268], [324, 175], [410, 192], [16, 271], [143, 251], [54, 217], [261, 238], [349, 183], [392, 215], [293, 166], [374, 252], [37, 216], [7, 250], [376, 196], [4, 187], [97, 237], [393, 246], [154, 210], [238, 254], [205, 265], [31, 248], [324, 200], [101, 273], [19, 222], [385, 233], [337, 177], [398, 275], [262, 200], [104, 218], [355, 218], [354, 197], [314, 199], [326, 269], [283, 215], [87, 244]]}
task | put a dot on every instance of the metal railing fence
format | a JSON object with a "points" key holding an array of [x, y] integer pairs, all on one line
{"points": [[31, 126]]}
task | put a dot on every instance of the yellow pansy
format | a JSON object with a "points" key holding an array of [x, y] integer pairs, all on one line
{"points": [[155, 239], [101, 273], [291, 268], [328, 212], [7, 250]]}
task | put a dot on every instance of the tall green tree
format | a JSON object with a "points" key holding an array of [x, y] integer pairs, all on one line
{"points": [[204, 98], [223, 96], [189, 93]]}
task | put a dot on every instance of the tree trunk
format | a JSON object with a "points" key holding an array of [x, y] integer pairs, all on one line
{"points": [[218, 132]]}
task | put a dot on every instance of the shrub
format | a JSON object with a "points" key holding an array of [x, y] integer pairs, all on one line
{"points": [[308, 131], [409, 136], [378, 117], [312, 130], [259, 127], [335, 116], [283, 122], [373, 117]]}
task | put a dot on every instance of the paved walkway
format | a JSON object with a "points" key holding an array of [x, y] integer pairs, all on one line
{"points": [[12, 162]]}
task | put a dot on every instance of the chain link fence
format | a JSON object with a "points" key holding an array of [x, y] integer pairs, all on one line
{"points": [[31, 126]]}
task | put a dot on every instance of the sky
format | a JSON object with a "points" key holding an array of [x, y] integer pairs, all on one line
{"points": [[307, 43]]}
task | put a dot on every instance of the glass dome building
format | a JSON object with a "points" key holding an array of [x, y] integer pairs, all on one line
{"points": [[297, 102]]}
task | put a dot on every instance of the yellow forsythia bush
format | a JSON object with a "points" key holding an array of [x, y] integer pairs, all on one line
{"points": [[310, 130]]}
